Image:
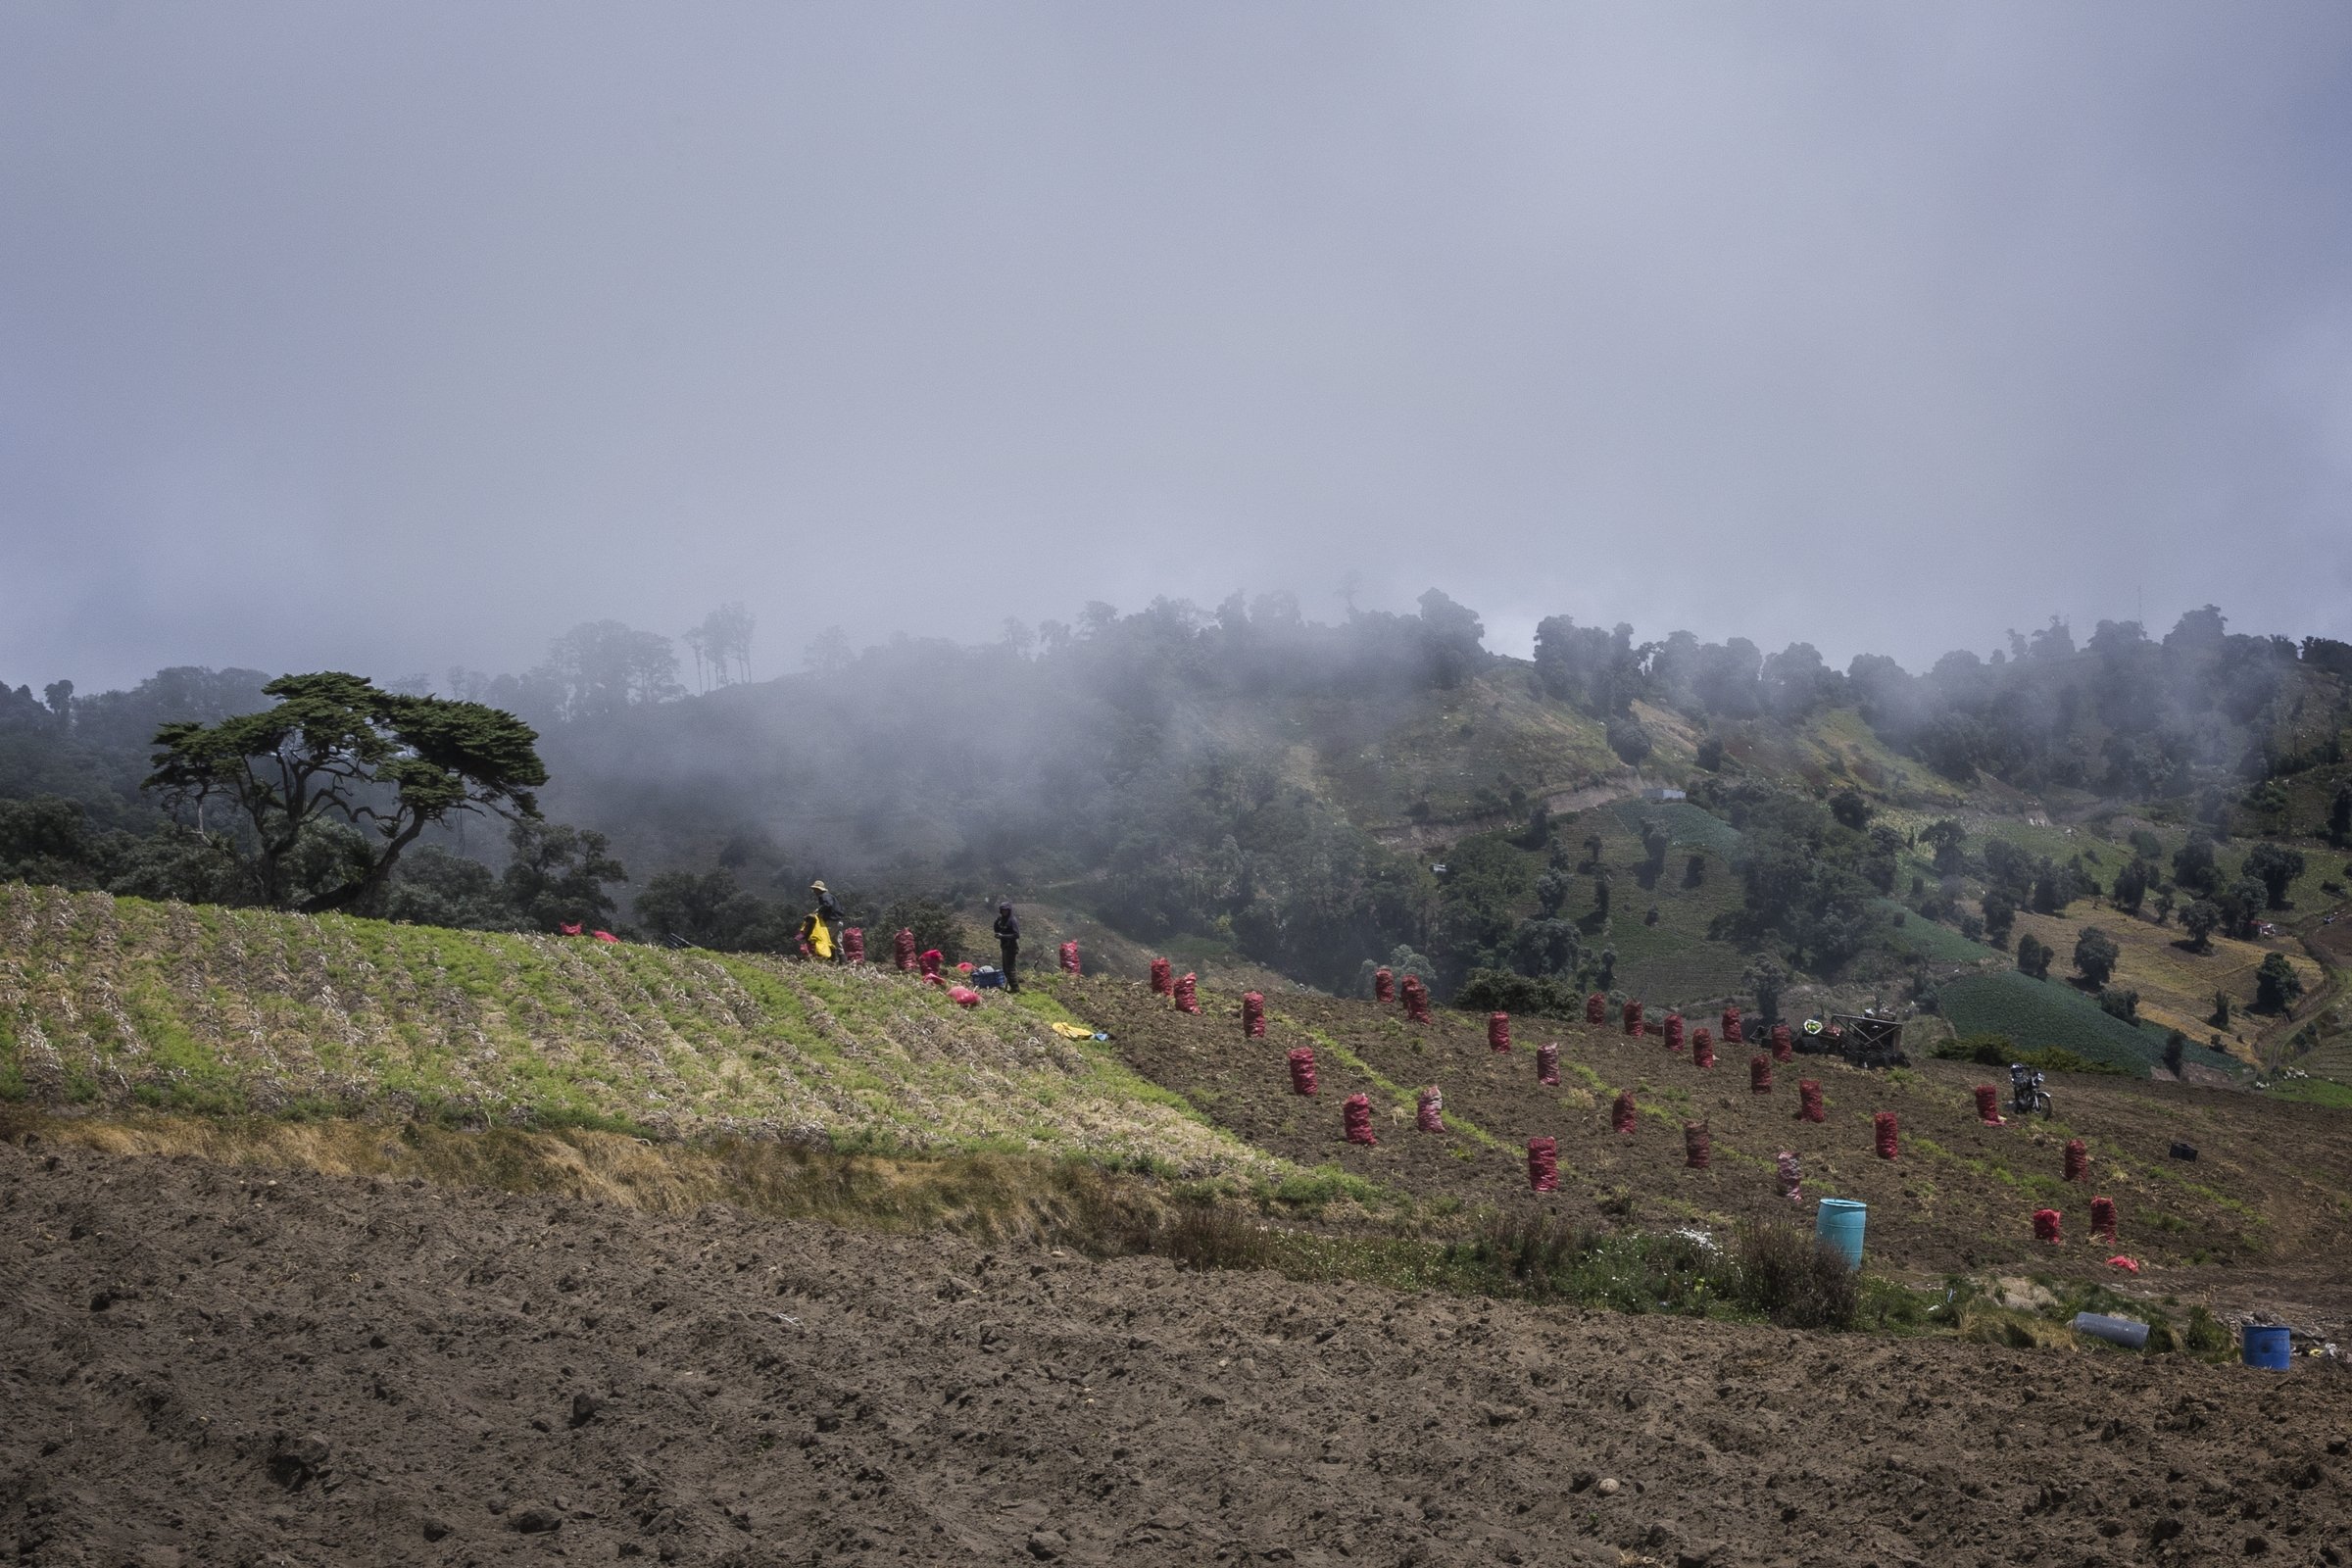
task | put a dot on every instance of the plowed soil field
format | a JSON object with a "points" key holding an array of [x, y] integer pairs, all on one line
{"points": [[2270, 1191], [206, 1366]]}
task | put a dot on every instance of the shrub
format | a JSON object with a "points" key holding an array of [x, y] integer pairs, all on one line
{"points": [[1629, 740], [1530, 1248], [935, 924], [1998, 1050], [2205, 1335], [1210, 1236], [1990, 1050], [1500, 991], [1794, 1278], [2118, 1003]]}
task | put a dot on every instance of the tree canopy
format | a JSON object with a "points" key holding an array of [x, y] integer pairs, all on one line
{"points": [[338, 750]]}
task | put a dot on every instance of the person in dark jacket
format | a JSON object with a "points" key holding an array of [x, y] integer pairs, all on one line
{"points": [[1008, 944]]}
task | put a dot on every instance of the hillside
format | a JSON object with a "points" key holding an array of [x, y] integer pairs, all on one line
{"points": [[2270, 1191], [111, 1005], [1262, 796], [118, 1002]]}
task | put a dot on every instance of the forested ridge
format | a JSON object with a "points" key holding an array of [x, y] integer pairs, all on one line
{"points": [[1289, 789]]}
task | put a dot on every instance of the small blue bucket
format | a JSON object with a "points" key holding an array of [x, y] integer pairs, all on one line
{"points": [[1838, 1222], [2264, 1345]]}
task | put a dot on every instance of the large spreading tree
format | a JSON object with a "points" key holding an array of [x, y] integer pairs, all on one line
{"points": [[338, 752]]}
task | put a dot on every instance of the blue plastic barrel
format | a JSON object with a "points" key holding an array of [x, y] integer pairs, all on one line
{"points": [[1838, 1222], [2265, 1347]]}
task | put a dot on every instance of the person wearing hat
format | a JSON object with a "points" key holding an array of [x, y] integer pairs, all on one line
{"points": [[1008, 944], [828, 912]]}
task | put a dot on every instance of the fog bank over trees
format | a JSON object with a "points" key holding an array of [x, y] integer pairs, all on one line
{"points": [[1180, 769]]}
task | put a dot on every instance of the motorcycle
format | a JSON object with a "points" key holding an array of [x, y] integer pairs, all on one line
{"points": [[2027, 1096]]}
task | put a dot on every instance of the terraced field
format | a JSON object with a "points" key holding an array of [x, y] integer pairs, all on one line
{"points": [[118, 1002], [2040, 1013]]}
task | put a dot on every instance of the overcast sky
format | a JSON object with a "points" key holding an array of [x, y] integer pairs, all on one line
{"points": [[396, 336]]}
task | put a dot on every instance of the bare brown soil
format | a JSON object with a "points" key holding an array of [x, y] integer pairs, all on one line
{"points": [[2270, 1191], [203, 1365]]}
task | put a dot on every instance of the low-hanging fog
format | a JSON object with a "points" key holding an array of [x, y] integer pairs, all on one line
{"points": [[404, 339]]}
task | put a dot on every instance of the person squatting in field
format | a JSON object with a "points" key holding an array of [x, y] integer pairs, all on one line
{"points": [[1008, 944]]}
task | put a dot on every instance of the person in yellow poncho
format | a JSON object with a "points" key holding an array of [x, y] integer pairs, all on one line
{"points": [[818, 937], [821, 929]]}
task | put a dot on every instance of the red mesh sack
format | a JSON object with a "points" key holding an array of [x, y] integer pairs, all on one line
{"points": [[853, 944], [1544, 1164], [1783, 1048], [1623, 1117], [1674, 1031], [603, 936], [1355, 1116], [1808, 1100], [1731, 1026], [1789, 1176], [1384, 987], [1187, 1001], [1596, 1008], [2077, 1159], [932, 962], [2045, 1226], [1885, 1136], [1416, 999], [1759, 1075], [1703, 1047], [2102, 1219], [1988, 1106], [1429, 1113], [901, 950], [1547, 1064], [1698, 1147], [1630, 1017], [1069, 957], [1254, 1015], [1302, 1070], [807, 951], [964, 995], [1163, 977], [1498, 1031], [571, 930]]}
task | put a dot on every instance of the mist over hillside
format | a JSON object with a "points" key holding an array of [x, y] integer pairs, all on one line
{"points": [[1287, 789]]}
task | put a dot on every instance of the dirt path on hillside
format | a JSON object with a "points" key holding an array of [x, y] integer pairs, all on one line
{"points": [[212, 1366], [1560, 801]]}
